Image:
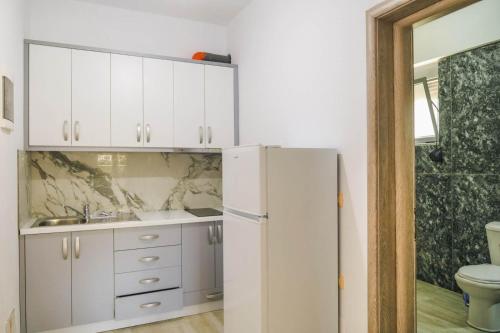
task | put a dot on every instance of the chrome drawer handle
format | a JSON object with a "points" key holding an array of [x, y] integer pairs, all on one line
{"points": [[210, 134], [77, 247], [149, 237], [149, 259], [214, 296], [150, 305], [149, 280]]}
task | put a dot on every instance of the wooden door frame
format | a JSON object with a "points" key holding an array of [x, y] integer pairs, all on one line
{"points": [[391, 160]]}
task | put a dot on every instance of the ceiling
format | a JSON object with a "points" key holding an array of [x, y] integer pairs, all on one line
{"points": [[212, 11]]}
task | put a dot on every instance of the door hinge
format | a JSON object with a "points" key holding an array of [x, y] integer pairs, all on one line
{"points": [[340, 199], [341, 281]]}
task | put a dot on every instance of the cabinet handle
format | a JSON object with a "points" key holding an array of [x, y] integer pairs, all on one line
{"points": [[77, 131], [148, 133], [211, 234], [65, 248], [149, 280], [214, 296], [209, 134], [139, 132], [219, 233], [77, 247], [200, 132], [65, 130], [150, 305], [149, 237], [149, 259]]}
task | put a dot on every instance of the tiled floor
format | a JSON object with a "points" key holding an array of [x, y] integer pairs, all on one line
{"points": [[440, 310], [210, 322]]}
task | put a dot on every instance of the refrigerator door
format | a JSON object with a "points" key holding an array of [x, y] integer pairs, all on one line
{"points": [[245, 291], [244, 179]]}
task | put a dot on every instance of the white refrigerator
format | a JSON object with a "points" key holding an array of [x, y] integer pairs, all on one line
{"points": [[280, 240]]}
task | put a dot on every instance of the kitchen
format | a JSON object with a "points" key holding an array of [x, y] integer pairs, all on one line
{"points": [[125, 182]]}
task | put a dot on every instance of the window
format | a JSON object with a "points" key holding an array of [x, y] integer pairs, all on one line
{"points": [[426, 110]]}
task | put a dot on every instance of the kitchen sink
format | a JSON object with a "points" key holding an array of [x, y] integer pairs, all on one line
{"points": [[71, 220], [56, 221]]}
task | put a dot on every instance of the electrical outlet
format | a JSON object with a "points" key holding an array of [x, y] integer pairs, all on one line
{"points": [[10, 325]]}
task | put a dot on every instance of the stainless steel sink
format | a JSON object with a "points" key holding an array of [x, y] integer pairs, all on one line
{"points": [[71, 220], [56, 221]]}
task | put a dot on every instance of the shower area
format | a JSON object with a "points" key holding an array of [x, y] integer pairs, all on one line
{"points": [[457, 176]]}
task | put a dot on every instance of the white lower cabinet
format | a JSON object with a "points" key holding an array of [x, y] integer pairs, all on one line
{"points": [[85, 277], [69, 279], [201, 261], [48, 281], [92, 277]]}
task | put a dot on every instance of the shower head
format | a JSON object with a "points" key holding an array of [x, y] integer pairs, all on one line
{"points": [[436, 155]]}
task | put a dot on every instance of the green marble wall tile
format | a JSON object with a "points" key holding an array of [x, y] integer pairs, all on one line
{"points": [[475, 107], [433, 229]]}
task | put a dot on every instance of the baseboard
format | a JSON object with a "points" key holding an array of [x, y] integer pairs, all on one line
{"points": [[117, 324]]}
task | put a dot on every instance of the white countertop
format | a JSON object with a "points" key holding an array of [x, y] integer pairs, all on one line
{"points": [[145, 219]]}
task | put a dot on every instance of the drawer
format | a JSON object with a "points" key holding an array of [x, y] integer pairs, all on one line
{"points": [[145, 281], [140, 238], [148, 304], [142, 259]]}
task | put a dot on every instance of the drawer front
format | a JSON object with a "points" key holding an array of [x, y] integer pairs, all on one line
{"points": [[148, 304], [145, 281], [141, 238], [143, 259]]}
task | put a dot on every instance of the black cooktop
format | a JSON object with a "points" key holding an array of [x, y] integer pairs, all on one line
{"points": [[202, 212]]}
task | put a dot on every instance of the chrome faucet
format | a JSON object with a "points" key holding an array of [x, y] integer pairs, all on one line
{"points": [[86, 213]]}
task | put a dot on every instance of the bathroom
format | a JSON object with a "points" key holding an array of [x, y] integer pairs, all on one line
{"points": [[457, 165]]}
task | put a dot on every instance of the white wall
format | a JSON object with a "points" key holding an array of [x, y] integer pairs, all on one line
{"points": [[303, 83], [469, 27], [11, 64], [87, 24]]}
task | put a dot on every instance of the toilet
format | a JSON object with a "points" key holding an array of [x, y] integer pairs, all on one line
{"points": [[482, 283]]}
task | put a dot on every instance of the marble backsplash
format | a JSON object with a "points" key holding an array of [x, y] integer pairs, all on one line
{"points": [[457, 198], [62, 182]]}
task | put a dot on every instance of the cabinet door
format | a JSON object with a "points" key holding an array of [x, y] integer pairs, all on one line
{"points": [[49, 96], [126, 101], [189, 105], [158, 103], [219, 257], [219, 106], [48, 281], [198, 261], [91, 98], [93, 276]]}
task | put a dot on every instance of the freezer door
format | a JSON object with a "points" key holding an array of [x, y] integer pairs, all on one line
{"points": [[244, 179], [245, 290]]}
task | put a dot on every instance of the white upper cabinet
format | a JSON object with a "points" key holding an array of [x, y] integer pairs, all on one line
{"points": [[189, 105], [49, 96], [219, 106], [91, 99], [95, 99], [126, 101], [158, 103]]}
